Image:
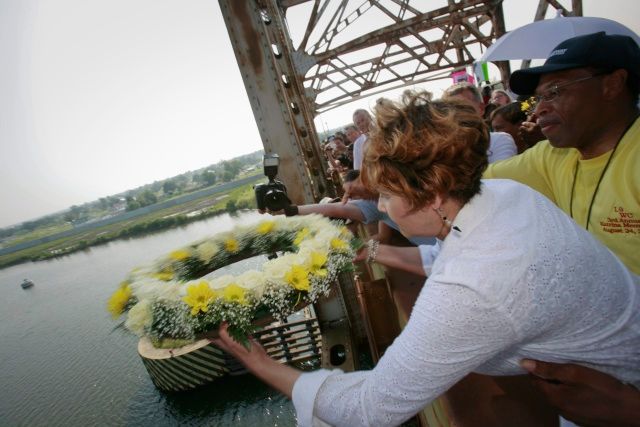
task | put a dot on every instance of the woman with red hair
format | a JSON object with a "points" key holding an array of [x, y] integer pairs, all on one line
{"points": [[515, 279]]}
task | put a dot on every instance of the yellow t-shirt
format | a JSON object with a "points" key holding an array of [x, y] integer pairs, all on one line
{"points": [[615, 216]]}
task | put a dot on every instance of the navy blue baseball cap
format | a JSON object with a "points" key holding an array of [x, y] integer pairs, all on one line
{"points": [[609, 52]]}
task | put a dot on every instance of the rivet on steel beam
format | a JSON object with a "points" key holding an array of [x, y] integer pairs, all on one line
{"points": [[264, 15], [276, 51]]}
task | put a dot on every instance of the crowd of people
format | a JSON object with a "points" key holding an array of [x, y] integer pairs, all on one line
{"points": [[527, 229]]}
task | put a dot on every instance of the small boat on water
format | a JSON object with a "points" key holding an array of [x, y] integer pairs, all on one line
{"points": [[26, 284]]}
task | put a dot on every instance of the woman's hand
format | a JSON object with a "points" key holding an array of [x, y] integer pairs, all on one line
{"points": [[252, 357], [255, 359], [362, 254]]}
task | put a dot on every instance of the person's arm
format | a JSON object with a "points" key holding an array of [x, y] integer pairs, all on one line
{"points": [[586, 396], [279, 376], [441, 343], [424, 361], [331, 210], [403, 258], [355, 190], [333, 164]]}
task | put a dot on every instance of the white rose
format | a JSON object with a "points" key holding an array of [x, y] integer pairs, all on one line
{"points": [[139, 318], [206, 251], [219, 283], [254, 281]]}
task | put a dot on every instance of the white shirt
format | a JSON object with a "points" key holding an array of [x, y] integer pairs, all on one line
{"points": [[358, 151], [519, 280], [501, 146]]}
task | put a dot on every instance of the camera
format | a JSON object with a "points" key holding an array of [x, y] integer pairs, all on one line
{"points": [[273, 194]]}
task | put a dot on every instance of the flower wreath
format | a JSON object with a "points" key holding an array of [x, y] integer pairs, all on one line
{"points": [[171, 303]]}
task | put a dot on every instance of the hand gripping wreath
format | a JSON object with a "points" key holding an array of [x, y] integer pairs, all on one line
{"points": [[170, 302]]}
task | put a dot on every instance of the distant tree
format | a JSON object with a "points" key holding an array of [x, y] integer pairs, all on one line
{"points": [[113, 200], [227, 176], [231, 206], [76, 214], [132, 203], [146, 198], [156, 186], [231, 169], [208, 177], [169, 187]]}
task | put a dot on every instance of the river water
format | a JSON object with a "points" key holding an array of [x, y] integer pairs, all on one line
{"points": [[63, 364]]}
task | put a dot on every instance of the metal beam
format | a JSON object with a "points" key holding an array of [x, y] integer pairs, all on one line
{"points": [[285, 123], [541, 11]]}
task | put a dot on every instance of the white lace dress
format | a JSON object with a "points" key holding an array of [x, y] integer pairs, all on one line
{"points": [[519, 280]]}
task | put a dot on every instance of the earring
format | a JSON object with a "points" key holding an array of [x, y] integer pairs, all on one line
{"points": [[446, 221]]}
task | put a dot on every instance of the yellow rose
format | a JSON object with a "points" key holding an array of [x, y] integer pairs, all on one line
{"points": [[199, 297], [234, 293], [339, 245], [231, 245], [179, 255], [266, 227], [119, 300], [298, 278], [300, 236], [316, 264]]}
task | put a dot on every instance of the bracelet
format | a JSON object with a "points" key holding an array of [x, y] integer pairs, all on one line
{"points": [[372, 251], [291, 210]]}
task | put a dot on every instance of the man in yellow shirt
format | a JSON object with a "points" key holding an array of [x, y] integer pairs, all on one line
{"points": [[590, 165], [586, 103]]}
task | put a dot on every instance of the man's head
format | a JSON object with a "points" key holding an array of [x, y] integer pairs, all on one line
{"points": [[468, 92], [352, 133], [587, 84], [500, 97], [362, 120]]}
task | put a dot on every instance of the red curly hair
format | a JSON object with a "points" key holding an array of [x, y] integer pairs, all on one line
{"points": [[421, 148]]}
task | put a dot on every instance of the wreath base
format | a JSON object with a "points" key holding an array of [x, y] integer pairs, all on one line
{"points": [[202, 362]]}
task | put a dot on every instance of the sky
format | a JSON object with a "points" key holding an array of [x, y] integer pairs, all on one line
{"points": [[101, 96]]}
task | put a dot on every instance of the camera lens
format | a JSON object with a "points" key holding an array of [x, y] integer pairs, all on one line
{"points": [[276, 199]]}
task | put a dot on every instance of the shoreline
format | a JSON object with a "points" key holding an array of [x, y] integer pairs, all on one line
{"points": [[159, 219]]}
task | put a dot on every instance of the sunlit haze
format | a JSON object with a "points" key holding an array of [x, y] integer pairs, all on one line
{"points": [[99, 97]]}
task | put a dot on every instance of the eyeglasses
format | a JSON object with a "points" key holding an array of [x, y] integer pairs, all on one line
{"points": [[554, 91]]}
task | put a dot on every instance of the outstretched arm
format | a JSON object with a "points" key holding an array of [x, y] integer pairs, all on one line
{"points": [[403, 258], [331, 210], [255, 359]]}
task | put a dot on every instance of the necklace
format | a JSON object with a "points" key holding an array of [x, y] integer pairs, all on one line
{"points": [[604, 170]]}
